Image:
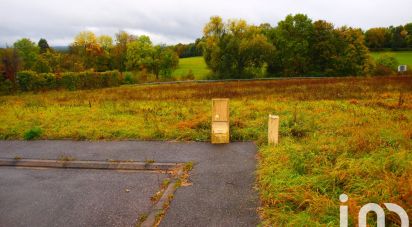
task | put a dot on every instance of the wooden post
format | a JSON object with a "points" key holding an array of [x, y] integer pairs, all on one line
{"points": [[220, 120], [273, 129]]}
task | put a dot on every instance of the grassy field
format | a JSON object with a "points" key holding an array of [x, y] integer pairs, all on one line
{"points": [[196, 64], [404, 57], [348, 135], [200, 70]]}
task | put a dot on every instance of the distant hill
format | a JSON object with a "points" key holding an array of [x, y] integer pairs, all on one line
{"points": [[61, 48]]}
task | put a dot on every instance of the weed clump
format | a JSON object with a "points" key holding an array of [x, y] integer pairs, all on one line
{"points": [[32, 133], [66, 158], [300, 125]]}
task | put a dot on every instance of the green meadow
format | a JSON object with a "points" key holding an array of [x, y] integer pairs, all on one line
{"points": [[196, 65], [200, 70], [404, 57]]}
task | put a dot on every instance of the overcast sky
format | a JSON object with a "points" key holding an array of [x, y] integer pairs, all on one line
{"points": [[173, 21]]}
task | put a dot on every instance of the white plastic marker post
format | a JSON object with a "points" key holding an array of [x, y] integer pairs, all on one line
{"points": [[273, 129]]}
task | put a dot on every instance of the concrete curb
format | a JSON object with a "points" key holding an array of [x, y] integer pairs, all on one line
{"points": [[160, 205], [111, 165]]}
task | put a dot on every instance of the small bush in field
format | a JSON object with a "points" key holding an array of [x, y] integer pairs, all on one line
{"points": [[299, 125], [128, 78], [189, 75], [386, 65], [32, 133], [381, 70]]}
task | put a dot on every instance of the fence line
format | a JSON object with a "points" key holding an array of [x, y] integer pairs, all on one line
{"points": [[239, 80]]}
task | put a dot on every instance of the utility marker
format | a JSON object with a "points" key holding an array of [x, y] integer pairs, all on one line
{"points": [[220, 121], [273, 129]]}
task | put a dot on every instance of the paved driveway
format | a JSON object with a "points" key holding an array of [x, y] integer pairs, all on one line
{"points": [[73, 197], [221, 193]]}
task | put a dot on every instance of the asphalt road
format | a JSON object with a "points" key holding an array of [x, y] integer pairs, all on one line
{"points": [[73, 197], [222, 191]]}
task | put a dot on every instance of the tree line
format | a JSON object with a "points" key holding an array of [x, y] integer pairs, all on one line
{"points": [[296, 46], [89, 52], [189, 50], [381, 38], [395, 38]]}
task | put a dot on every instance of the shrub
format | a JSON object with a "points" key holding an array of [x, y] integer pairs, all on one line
{"points": [[129, 78], [32, 81], [25, 80], [89, 80], [32, 133], [110, 78], [299, 125], [189, 75], [381, 70], [6, 86], [49, 81], [69, 81], [386, 65], [43, 81]]}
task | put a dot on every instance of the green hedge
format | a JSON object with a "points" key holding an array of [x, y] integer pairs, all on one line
{"points": [[6, 86], [32, 81]]}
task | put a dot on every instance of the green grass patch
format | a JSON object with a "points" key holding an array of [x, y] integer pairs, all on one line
{"points": [[196, 65], [404, 57], [32, 133]]}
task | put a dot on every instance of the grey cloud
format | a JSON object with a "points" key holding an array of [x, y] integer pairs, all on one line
{"points": [[172, 21]]}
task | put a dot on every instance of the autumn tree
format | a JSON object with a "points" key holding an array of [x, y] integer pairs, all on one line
{"points": [[143, 55], [354, 58], [86, 47], [103, 59], [324, 49], [292, 39], [139, 53], [119, 51], [28, 52], [49, 62], [105, 42], [398, 36], [377, 37], [71, 63], [43, 45], [10, 63], [164, 61], [235, 49], [408, 39], [213, 33], [394, 37]]}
